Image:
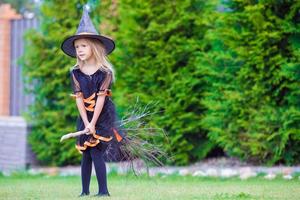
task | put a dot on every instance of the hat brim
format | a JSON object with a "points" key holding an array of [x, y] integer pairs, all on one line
{"points": [[68, 44]]}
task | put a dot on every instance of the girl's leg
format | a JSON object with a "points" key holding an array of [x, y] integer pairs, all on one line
{"points": [[100, 168], [86, 170]]}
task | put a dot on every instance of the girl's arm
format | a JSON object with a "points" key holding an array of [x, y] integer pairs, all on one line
{"points": [[98, 109], [82, 111], [77, 94], [101, 97]]}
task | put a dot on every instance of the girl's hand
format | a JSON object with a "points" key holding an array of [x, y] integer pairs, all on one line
{"points": [[91, 127]]}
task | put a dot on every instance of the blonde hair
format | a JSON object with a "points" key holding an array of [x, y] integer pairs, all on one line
{"points": [[98, 51]]}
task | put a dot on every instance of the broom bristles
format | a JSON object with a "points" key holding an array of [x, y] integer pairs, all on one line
{"points": [[135, 144]]}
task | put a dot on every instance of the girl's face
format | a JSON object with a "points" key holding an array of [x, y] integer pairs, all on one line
{"points": [[83, 49]]}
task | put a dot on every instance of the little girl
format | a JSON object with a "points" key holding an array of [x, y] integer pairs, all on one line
{"points": [[91, 80]]}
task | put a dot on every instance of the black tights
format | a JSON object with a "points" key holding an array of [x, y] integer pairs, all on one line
{"points": [[94, 154]]}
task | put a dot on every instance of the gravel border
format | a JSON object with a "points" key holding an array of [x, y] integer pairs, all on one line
{"points": [[215, 167]]}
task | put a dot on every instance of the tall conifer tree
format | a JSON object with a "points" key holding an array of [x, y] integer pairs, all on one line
{"points": [[160, 44], [253, 107]]}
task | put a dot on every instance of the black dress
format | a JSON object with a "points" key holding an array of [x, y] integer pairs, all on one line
{"points": [[90, 87]]}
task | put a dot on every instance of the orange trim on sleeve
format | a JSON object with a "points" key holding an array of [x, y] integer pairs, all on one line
{"points": [[76, 95], [106, 92]]}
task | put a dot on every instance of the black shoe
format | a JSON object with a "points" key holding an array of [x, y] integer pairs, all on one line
{"points": [[102, 195], [84, 194]]}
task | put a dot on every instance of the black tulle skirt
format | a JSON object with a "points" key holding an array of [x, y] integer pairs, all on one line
{"points": [[107, 132]]}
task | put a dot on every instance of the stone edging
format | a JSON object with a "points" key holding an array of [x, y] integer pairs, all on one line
{"points": [[243, 172]]}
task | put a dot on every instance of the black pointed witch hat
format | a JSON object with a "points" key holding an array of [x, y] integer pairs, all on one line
{"points": [[86, 29]]}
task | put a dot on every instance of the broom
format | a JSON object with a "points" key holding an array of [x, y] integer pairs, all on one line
{"points": [[134, 145]]}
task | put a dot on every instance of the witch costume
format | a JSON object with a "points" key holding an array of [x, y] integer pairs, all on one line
{"points": [[89, 87]]}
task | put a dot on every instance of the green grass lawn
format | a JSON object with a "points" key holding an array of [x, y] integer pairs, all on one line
{"points": [[155, 188]]}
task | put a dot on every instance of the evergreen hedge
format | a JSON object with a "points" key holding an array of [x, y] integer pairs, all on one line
{"points": [[253, 104], [222, 75], [160, 44]]}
